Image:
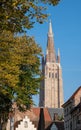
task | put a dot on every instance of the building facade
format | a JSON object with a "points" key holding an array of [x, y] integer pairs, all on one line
{"points": [[72, 111], [51, 90]]}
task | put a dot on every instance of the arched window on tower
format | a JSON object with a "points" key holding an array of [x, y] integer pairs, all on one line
{"points": [[52, 75], [49, 74], [56, 75]]}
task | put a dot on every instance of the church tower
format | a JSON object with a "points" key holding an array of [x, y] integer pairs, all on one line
{"points": [[51, 90]]}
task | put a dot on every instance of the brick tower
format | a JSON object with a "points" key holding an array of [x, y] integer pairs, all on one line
{"points": [[51, 90]]}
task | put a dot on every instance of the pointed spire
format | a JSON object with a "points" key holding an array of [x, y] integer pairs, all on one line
{"points": [[50, 52], [58, 52], [50, 29], [58, 56]]}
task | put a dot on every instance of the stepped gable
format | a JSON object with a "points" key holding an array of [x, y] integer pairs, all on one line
{"points": [[34, 115], [19, 116], [26, 124]]}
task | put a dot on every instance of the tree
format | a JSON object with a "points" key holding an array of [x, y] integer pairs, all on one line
{"points": [[19, 62], [18, 15], [19, 71]]}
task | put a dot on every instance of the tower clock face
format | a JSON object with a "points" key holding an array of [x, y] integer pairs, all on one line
{"points": [[25, 124]]}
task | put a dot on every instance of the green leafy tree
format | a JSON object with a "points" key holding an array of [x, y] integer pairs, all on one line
{"points": [[19, 64], [18, 15], [19, 71]]}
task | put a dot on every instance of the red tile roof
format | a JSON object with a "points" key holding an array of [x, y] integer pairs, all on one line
{"points": [[46, 113]]}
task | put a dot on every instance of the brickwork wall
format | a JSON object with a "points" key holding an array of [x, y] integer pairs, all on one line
{"points": [[53, 86]]}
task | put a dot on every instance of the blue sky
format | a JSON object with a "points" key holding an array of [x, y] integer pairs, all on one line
{"points": [[66, 24]]}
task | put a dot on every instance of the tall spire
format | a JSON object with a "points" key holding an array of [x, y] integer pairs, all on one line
{"points": [[58, 56], [51, 90], [50, 29], [50, 53]]}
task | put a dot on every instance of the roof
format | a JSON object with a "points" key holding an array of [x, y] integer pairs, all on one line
{"points": [[76, 107], [37, 119], [59, 125], [20, 115], [53, 111], [35, 116], [69, 100], [46, 113], [46, 119]]}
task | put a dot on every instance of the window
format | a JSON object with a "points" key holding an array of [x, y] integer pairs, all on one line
{"points": [[52, 75], [56, 75], [25, 124], [65, 111], [49, 74], [70, 125]]}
